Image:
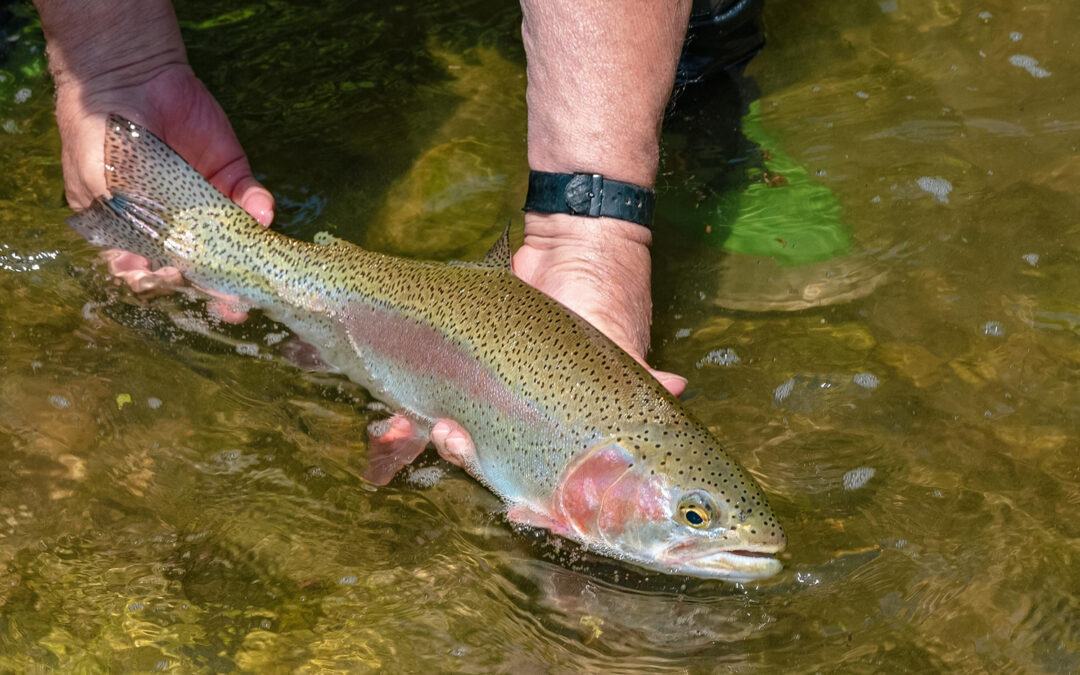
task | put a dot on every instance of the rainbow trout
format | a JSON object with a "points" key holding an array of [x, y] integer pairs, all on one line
{"points": [[568, 429]]}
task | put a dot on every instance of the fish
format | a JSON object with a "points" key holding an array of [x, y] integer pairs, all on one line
{"points": [[571, 432]]}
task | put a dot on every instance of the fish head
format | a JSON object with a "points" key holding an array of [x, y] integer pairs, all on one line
{"points": [[681, 507]]}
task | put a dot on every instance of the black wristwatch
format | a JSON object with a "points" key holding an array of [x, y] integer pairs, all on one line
{"points": [[584, 194]]}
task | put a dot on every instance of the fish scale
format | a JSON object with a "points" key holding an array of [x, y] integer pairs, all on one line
{"points": [[542, 393]]}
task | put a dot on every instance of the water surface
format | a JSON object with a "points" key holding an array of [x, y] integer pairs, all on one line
{"points": [[176, 496]]}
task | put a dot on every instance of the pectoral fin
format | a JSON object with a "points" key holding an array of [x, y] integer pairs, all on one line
{"points": [[392, 444], [524, 515]]}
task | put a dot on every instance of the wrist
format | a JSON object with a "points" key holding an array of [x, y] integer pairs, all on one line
{"points": [[610, 235], [593, 195], [599, 78], [570, 144], [103, 46]]}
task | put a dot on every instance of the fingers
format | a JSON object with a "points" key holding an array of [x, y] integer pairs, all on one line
{"points": [[255, 199], [135, 271], [226, 311], [236, 182], [453, 443], [676, 384], [150, 284], [228, 308], [83, 140]]}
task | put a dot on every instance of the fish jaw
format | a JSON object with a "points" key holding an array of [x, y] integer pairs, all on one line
{"points": [[748, 562], [623, 509]]}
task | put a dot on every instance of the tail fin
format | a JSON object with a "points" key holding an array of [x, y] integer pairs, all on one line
{"points": [[121, 223], [159, 203]]}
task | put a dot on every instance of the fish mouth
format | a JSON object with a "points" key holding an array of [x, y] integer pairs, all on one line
{"points": [[736, 565], [752, 554]]}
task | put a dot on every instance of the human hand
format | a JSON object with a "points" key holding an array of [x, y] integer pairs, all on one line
{"points": [[599, 268], [176, 106], [106, 58], [173, 104], [581, 121]]}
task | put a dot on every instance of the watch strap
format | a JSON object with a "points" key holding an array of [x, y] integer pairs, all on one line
{"points": [[592, 195]]}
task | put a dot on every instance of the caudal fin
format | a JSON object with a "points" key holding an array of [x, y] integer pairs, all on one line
{"points": [[159, 205]]}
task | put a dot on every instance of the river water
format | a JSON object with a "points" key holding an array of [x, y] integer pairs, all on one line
{"points": [[873, 287]]}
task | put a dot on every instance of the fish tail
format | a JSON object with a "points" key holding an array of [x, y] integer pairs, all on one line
{"points": [[160, 207], [118, 222]]}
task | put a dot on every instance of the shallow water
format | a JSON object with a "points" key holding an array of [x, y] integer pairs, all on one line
{"points": [[176, 496]]}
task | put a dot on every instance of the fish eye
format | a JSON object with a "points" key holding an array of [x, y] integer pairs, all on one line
{"points": [[695, 510], [695, 516]]}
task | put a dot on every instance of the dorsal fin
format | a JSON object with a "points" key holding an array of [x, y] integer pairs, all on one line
{"points": [[497, 257], [499, 253]]}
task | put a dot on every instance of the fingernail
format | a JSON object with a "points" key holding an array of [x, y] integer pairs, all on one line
{"points": [[676, 384], [457, 445], [439, 432], [260, 204]]}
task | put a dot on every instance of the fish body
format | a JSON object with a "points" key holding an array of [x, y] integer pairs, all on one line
{"points": [[568, 429]]}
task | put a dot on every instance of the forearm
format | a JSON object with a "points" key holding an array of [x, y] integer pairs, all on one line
{"points": [[102, 44], [600, 75]]}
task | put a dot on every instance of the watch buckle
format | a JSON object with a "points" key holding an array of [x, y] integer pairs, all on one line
{"points": [[584, 194]]}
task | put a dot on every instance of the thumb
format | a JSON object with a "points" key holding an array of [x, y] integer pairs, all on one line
{"points": [[236, 182], [676, 384], [255, 199]]}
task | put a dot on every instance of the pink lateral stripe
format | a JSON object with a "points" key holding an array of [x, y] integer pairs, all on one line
{"points": [[423, 350]]}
